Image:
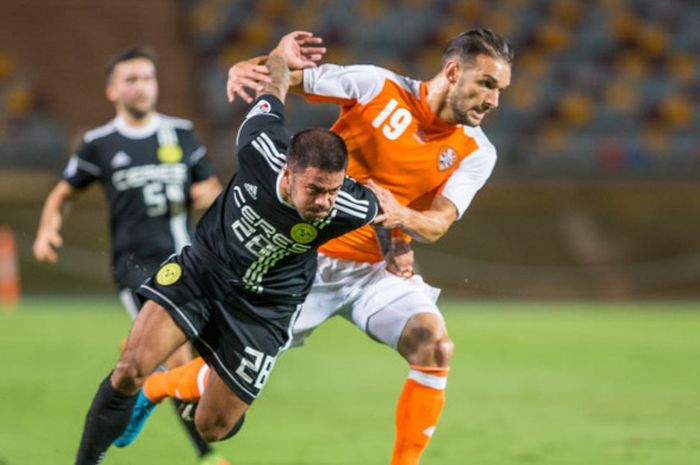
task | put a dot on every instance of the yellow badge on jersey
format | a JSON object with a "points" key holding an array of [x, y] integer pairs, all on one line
{"points": [[169, 274], [303, 233], [170, 153]]}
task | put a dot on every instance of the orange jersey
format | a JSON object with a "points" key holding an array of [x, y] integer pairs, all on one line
{"points": [[395, 139]]}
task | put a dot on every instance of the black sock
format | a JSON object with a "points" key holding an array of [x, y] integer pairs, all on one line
{"points": [[106, 421], [202, 446]]}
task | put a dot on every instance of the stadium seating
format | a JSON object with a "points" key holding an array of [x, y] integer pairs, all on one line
{"points": [[585, 74], [29, 135]]}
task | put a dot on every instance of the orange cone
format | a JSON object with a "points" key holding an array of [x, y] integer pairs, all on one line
{"points": [[9, 274]]}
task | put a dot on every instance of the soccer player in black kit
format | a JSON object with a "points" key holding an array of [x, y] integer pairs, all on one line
{"points": [[153, 169], [236, 291]]}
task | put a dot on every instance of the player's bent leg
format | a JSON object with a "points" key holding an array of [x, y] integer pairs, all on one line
{"points": [[181, 358], [424, 343], [153, 337], [185, 382], [220, 410], [413, 325], [182, 384]]}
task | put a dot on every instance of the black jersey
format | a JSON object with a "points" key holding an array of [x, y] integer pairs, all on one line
{"points": [[146, 174], [257, 240]]}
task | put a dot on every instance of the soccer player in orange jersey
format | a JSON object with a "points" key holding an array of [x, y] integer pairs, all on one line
{"points": [[421, 146], [418, 144]]}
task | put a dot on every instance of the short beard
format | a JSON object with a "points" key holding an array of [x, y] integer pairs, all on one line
{"points": [[136, 113], [460, 116]]}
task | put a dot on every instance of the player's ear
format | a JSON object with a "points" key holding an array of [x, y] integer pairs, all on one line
{"points": [[287, 174], [451, 71], [110, 92]]}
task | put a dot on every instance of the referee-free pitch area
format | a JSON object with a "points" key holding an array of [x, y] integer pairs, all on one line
{"points": [[531, 383]]}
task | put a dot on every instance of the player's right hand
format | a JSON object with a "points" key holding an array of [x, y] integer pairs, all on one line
{"points": [[300, 49], [393, 214], [44, 245], [400, 258]]}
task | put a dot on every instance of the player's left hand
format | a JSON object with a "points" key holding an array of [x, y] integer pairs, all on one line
{"points": [[400, 258], [248, 74], [300, 50], [393, 213]]}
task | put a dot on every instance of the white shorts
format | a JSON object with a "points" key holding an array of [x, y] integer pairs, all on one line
{"points": [[378, 302]]}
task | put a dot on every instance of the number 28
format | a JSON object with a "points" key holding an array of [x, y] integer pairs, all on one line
{"points": [[398, 120]]}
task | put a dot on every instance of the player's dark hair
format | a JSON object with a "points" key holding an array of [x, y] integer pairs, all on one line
{"points": [[470, 44], [133, 53], [317, 148]]}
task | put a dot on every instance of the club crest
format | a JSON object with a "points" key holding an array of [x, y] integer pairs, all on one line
{"points": [[169, 274], [303, 233], [170, 153], [447, 158], [263, 106]]}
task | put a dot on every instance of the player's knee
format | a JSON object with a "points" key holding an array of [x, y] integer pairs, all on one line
{"points": [[444, 348], [214, 428], [424, 341], [128, 377]]}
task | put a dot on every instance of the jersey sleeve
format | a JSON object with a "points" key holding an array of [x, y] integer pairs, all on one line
{"points": [[471, 174], [345, 85], [83, 167], [265, 116], [199, 164], [358, 202]]}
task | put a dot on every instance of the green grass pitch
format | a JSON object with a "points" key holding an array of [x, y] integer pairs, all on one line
{"points": [[549, 384]]}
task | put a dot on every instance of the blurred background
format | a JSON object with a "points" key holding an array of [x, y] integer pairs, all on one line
{"points": [[596, 193]]}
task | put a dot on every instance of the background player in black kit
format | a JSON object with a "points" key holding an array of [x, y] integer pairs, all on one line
{"points": [[153, 169], [236, 291]]}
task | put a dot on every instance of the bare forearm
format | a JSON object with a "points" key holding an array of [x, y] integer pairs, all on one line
{"points": [[279, 77], [428, 226], [205, 192], [56, 207]]}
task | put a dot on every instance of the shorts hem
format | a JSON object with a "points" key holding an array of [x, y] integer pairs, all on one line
{"points": [[175, 313]]}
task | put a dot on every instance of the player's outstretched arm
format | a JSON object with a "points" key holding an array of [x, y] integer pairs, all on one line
{"points": [[300, 49], [245, 75], [427, 226], [48, 237], [204, 192], [279, 78]]}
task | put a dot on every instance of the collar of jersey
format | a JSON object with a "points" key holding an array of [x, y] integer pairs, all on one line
{"points": [[432, 121], [139, 132]]}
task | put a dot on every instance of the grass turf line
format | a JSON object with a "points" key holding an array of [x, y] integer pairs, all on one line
{"points": [[549, 384]]}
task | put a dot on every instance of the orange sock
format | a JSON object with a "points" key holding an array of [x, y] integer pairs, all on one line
{"points": [[418, 412], [185, 382]]}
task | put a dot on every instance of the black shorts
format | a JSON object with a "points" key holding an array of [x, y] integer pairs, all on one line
{"points": [[238, 334]]}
